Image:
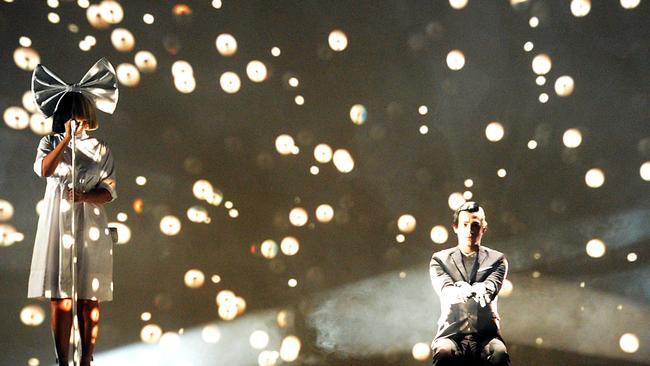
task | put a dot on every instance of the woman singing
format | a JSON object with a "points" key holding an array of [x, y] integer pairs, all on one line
{"points": [[51, 271]]}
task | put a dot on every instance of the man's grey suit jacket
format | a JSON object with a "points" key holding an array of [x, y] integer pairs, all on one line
{"points": [[457, 317]]}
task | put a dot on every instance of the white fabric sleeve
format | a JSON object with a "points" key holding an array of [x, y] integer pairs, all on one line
{"points": [[44, 148], [107, 174]]}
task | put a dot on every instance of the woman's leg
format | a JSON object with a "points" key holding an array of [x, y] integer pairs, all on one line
{"points": [[88, 320], [61, 320]]}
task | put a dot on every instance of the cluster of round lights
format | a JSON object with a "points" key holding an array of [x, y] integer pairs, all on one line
{"points": [[205, 191], [230, 305], [183, 74], [9, 236], [87, 43]]}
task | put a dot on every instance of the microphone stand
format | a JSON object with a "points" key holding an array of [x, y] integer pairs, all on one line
{"points": [[76, 352]]}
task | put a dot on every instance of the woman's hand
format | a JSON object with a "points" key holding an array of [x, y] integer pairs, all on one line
{"points": [[68, 130], [97, 196], [77, 196]]}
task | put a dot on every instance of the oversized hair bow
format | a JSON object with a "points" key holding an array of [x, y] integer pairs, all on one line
{"points": [[99, 85]]}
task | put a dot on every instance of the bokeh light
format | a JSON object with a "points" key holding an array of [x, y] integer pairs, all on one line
{"points": [[455, 60], [455, 200], [629, 343], [256, 71], [194, 278], [337, 40], [226, 44], [148, 19], [123, 40], [290, 246], [595, 178], [528, 46], [298, 216], [145, 61], [458, 4], [32, 315], [26, 58], [230, 82], [323, 153], [28, 102], [439, 234], [580, 8], [406, 223], [285, 144], [421, 351], [572, 138], [564, 86], [290, 348], [128, 74], [6, 210], [170, 225], [324, 213], [94, 16], [202, 189], [111, 11], [198, 214], [542, 64], [182, 68], [630, 4], [644, 171], [259, 339], [210, 334], [16, 118], [54, 18], [7, 235], [269, 249], [268, 358], [358, 114], [595, 248], [225, 297], [506, 288], [170, 340], [494, 131], [543, 98], [343, 161]]}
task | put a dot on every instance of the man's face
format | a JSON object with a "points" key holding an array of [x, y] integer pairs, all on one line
{"points": [[471, 226]]}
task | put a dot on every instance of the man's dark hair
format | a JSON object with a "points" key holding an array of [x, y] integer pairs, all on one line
{"points": [[469, 206]]}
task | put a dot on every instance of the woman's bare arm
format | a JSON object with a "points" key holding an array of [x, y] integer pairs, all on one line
{"points": [[53, 158]]}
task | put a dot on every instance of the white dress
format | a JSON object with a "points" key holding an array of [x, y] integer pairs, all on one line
{"points": [[51, 270]]}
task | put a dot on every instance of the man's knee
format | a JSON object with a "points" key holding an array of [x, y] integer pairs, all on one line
{"points": [[496, 354], [444, 351]]}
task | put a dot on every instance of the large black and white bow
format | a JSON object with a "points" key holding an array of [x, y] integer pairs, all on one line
{"points": [[99, 85]]}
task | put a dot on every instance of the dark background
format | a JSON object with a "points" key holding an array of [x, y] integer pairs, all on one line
{"points": [[395, 62]]}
